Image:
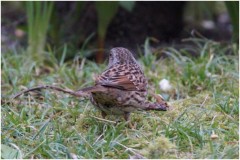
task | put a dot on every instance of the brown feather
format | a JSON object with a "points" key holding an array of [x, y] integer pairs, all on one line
{"points": [[120, 76]]}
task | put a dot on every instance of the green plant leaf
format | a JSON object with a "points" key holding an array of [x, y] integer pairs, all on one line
{"points": [[105, 12], [38, 17], [233, 10]]}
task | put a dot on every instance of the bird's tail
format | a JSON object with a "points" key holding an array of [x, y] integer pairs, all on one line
{"points": [[156, 106], [159, 105]]}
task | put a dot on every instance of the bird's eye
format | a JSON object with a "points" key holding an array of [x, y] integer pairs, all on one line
{"points": [[110, 55]]}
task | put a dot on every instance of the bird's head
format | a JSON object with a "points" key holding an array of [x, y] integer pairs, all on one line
{"points": [[120, 55]]}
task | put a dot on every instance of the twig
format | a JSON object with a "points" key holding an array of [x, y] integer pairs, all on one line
{"points": [[71, 92]]}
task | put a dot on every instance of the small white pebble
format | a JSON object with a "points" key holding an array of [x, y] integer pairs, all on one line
{"points": [[73, 156], [214, 136], [165, 85]]}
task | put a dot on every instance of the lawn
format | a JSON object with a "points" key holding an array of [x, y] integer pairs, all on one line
{"points": [[203, 121]]}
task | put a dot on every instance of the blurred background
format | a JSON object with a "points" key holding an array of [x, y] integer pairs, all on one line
{"points": [[88, 29]]}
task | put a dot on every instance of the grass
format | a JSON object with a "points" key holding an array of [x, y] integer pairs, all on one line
{"points": [[204, 121]]}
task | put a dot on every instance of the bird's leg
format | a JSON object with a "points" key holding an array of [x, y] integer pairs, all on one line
{"points": [[128, 119]]}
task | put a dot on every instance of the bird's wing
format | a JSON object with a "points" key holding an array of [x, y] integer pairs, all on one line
{"points": [[122, 76]]}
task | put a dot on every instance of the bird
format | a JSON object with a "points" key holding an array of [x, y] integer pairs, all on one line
{"points": [[122, 88]]}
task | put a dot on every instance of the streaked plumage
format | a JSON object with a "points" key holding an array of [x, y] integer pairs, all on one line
{"points": [[122, 87]]}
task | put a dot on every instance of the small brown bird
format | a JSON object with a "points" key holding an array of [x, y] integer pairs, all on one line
{"points": [[122, 87]]}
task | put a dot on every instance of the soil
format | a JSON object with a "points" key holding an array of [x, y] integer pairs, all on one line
{"points": [[162, 20]]}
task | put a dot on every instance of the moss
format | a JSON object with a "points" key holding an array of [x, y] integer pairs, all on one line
{"points": [[160, 148]]}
